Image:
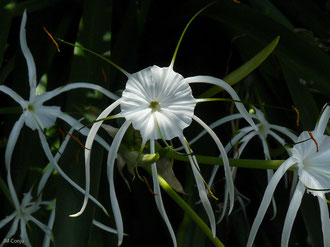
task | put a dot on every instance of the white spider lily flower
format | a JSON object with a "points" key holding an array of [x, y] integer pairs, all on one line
{"points": [[159, 103], [243, 137], [311, 157], [21, 217], [36, 115]]}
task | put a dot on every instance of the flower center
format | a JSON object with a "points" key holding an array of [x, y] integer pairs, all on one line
{"points": [[30, 107], [154, 105]]}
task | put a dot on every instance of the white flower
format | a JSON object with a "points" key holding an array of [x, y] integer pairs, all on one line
{"points": [[311, 156], [38, 116], [22, 215], [159, 103]]}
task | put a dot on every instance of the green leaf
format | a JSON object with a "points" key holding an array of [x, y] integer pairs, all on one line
{"points": [[244, 70]]}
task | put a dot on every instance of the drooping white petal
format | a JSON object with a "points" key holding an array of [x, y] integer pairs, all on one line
{"points": [[51, 94], [50, 225], [323, 121], [216, 124], [8, 218], [158, 197], [13, 95], [228, 175], [163, 92], [12, 230], [325, 220], [53, 162], [88, 145], [229, 89], [83, 130], [110, 170], [13, 136], [41, 225], [284, 131], [291, 214], [28, 57], [200, 185], [267, 198], [24, 235], [104, 227]]}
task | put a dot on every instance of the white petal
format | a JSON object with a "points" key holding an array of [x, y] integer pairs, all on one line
{"points": [[7, 219], [104, 227], [48, 95], [51, 220], [13, 136], [13, 95], [88, 145], [12, 229], [229, 89], [201, 187], [229, 178], [83, 130], [29, 58], [45, 116], [267, 198], [158, 197], [51, 159], [323, 121], [284, 131], [291, 214], [325, 220], [110, 165], [24, 235], [216, 124]]}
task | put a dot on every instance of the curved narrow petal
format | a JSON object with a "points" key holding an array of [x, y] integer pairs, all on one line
{"points": [[13, 95], [284, 131], [277, 137], [6, 220], [88, 145], [291, 214], [158, 197], [200, 185], [28, 57], [53, 162], [51, 220], [267, 198], [48, 95], [13, 136], [104, 227], [24, 235], [216, 124], [229, 178], [12, 229], [58, 155], [270, 174], [323, 121], [110, 169], [41, 225], [229, 89], [85, 131], [325, 220]]}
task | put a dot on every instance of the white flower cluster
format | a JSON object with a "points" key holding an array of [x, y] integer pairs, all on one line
{"points": [[158, 102]]}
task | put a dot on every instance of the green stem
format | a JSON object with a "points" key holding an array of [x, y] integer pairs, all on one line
{"points": [[168, 189], [243, 163]]}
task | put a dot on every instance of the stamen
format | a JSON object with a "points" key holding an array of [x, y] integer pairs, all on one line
{"points": [[104, 75], [298, 115], [317, 146], [62, 134], [147, 183], [51, 37], [77, 140], [236, 1], [91, 110]]}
